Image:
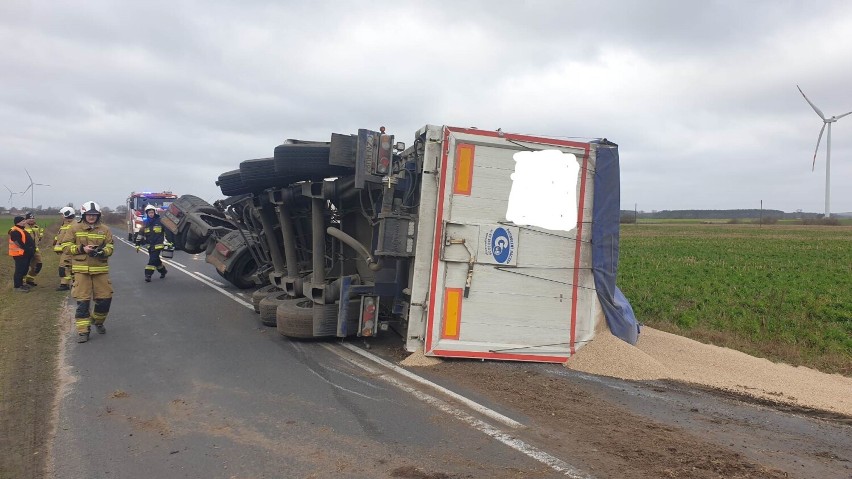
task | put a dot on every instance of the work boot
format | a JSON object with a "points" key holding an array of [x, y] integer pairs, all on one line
{"points": [[63, 287], [21, 289], [163, 274], [82, 337], [30, 282], [101, 329], [147, 279]]}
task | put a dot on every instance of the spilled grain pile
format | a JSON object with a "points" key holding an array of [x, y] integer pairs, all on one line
{"points": [[661, 355]]}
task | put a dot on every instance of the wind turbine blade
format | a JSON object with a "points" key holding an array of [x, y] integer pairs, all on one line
{"points": [[10, 189], [813, 165], [40, 184], [841, 116], [28, 187], [31, 178], [817, 110]]}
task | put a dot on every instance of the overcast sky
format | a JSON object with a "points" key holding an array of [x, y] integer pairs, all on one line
{"points": [[102, 97]]}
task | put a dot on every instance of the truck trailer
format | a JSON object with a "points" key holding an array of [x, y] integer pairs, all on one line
{"points": [[465, 242]]}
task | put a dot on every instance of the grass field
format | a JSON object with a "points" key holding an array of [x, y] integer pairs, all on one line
{"points": [[29, 338], [780, 292]]}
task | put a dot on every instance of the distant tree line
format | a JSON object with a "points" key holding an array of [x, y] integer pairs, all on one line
{"points": [[736, 216]]}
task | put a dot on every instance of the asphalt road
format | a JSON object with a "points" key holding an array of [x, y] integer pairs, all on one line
{"points": [[188, 383]]}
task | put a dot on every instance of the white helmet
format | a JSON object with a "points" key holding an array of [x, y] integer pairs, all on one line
{"points": [[67, 212], [91, 208], [150, 207]]}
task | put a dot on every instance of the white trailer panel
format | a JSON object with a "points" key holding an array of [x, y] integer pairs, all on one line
{"points": [[496, 289]]}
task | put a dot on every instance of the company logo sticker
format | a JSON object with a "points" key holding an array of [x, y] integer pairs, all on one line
{"points": [[500, 245]]}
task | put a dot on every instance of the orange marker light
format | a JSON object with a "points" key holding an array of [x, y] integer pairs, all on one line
{"points": [[464, 169], [452, 313]]}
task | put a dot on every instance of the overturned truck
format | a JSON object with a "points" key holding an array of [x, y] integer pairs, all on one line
{"points": [[466, 243]]}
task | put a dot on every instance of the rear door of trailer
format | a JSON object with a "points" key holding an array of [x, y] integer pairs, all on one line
{"points": [[488, 287]]}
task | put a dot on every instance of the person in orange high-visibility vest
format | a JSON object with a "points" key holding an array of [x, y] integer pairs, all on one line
{"points": [[90, 244], [21, 249]]}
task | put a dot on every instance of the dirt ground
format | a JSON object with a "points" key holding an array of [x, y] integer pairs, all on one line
{"points": [[602, 435], [753, 419]]}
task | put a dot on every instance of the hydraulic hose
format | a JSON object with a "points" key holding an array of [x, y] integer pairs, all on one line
{"points": [[358, 247]]}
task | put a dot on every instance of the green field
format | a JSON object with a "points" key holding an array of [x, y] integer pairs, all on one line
{"points": [[780, 292], [29, 341]]}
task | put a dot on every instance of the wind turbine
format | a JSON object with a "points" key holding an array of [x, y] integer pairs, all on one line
{"points": [[825, 121], [11, 195], [31, 189]]}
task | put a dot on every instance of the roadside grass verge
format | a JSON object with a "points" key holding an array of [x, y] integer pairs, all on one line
{"points": [[779, 292], [29, 339]]}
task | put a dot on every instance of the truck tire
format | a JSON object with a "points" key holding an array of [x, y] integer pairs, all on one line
{"points": [[260, 294], [306, 162], [242, 272], [269, 305], [231, 183], [259, 174], [295, 319]]}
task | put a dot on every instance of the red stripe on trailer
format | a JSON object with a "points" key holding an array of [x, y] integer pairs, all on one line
{"points": [[577, 249]]}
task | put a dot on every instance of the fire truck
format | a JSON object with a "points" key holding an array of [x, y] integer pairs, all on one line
{"points": [[136, 203]]}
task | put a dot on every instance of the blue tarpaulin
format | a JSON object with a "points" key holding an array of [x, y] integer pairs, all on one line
{"points": [[606, 217]]}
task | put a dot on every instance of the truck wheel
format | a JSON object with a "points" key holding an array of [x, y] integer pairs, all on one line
{"points": [[259, 173], [269, 305], [295, 319], [242, 271], [306, 162], [231, 183], [261, 293]]}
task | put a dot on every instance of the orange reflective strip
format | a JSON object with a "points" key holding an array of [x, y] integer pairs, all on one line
{"points": [[464, 169], [452, 313]]}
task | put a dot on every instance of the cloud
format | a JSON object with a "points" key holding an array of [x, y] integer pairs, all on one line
{"points": [[700, 97]]}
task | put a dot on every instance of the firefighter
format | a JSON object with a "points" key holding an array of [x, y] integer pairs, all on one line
{"points": [[152, 235], [59, 242], [89, 243], [35, 264], [21, 249]]}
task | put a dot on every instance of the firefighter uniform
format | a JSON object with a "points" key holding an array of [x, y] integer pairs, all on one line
{"points": [[59, 242], [152, 235], [89, 244], [35, 264]]}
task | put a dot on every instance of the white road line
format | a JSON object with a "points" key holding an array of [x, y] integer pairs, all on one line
{"points": [[528, 450], [458, 397], [482, 426], [209, 279], [203, 278]]}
